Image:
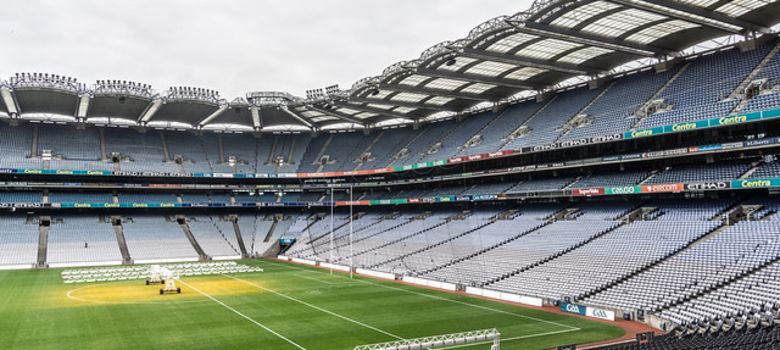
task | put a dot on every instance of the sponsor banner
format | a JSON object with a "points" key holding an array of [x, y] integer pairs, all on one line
{"points": [[622, 190], [600, 313], [774, 113], [282, 257], [663, 188], [755, 183], [573, 309], [595, 191], [643, 132], [484, 197], [708, 186], [734, 119], [686, 126]]}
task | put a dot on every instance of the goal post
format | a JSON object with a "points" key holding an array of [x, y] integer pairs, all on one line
{"points": [[489, 337]]}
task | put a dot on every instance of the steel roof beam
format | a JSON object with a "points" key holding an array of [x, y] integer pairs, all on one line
{"points": [[526, 62], [688, 16], [698, 11], [150, 111], [436, 92], [418, 105], [580, 37], [343, 116], [369, 109], [10, 101], [217, 113], [297, 117], [475, 78]]}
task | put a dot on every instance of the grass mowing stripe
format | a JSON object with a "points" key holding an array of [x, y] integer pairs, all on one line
{"points": [[316, 307], [450, 300], [242, 315]]}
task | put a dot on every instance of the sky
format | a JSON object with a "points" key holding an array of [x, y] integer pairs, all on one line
{"points": [[232, 46]]}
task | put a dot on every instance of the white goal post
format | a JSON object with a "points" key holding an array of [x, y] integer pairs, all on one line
{"points": [[485, 336]]}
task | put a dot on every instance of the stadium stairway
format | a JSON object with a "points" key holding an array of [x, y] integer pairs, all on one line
{"points": [[239, 238], [185, 227], [739, 92], [43, 240], [445, 241], [566, 125], [116, 223]]}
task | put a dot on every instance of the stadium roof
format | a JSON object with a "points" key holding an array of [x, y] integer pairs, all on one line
{"points": [[531, 51]]}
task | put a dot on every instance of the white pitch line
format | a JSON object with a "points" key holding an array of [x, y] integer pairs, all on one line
{"points": [[316, 307], [450, 300], [242, 315]]}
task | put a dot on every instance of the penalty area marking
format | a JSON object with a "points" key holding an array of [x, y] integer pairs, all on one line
{"points": [[242, 315], [345, 318]]}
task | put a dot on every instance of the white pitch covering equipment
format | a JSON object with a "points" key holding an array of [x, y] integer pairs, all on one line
{"points": [[125, 273]]}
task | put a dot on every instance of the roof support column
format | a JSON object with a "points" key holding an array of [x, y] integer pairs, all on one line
{"points": [[257, 122], [81, 113], [10, 101], [150, 111]]}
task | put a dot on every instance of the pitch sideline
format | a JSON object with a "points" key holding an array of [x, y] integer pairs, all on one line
{"points": [[242, 315]]}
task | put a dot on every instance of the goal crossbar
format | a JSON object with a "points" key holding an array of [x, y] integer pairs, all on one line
{"points": [[440, 341]]}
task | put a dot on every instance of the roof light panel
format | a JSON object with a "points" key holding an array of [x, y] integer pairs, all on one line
{"points": [[490, 68], [347, 111], [621, 22], [381, 94], [547, 48], [322, 118], [404, 110], [738, 8], [385, 107], [365, 115], [524, 73], [570, 19], [477, 88], [408, 97], [414, 80], [699, 3], [310, 114], [511, 42], [685, 14], [584, 54], [446, 84], [439, 100], [660, 30]]}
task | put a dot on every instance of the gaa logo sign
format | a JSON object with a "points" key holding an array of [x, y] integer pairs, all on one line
{"points": [[572, 308], [600, 313]]}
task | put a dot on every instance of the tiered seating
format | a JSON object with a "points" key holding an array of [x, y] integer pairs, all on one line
{"points": [[18, 241], [345, 148], [726, 170], [215, 236], [495, 134], [607, 258], [21, 197], [191, 149], [720, 73], [766, 170], [551, 183], [147, 198], [461, 132], [80, 197], [546, 125], [426, 137], [15, 143], [623, 178], [80, 239], [615, 110], [727, 255], [387, 146], [79, 149], [531, 246], [758, 339], [153, 238], [144, 150]]}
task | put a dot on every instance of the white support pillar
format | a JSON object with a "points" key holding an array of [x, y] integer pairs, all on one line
{"points": [[256, 121], [10, 101], [149, 112], [220, 110], [84, 100]]}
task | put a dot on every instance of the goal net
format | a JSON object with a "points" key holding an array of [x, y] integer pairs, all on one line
{"points": [[487, 337]]}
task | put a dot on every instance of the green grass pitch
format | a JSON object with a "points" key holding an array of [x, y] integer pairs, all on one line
{"points": [[285, 307]]}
